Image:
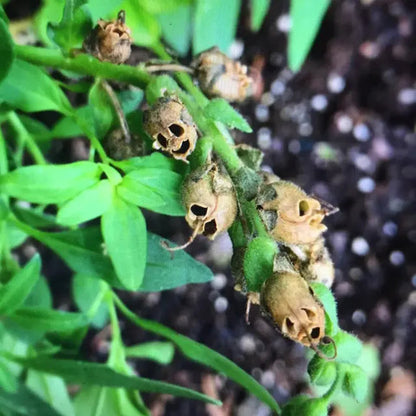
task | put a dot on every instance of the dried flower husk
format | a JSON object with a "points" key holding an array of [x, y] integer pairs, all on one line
{"points": [[110, 40], [171, 127], [289, 301], [210, 201], [289, 214], [220, 76]]}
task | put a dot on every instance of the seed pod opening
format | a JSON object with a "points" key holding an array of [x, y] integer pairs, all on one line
{"points": [[209, 200], [220, 76], [290, 303], [171, 127], [289, 214], [110, 40]]}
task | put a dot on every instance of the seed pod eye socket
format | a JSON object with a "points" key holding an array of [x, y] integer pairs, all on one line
{"points": [[176, 129], [184, 147], [162, 140], [303, 207], [309, 313], [198, 210], [210, 228], [315, 332]]}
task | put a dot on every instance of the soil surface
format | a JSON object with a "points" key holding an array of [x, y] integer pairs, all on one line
{"points": [[343, 128]]}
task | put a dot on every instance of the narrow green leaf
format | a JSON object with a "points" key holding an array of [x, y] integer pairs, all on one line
{"points": [[109, 402], [161, 352], [179, 40], [50, 184], [159, 86], [259, 9], [164, 272], [14, 235], [328, 301], [14, 293], [89, 204], [48, 320], [6, 50], [101, 109], [205, 356], [154, 189], [28, 88], [8, 381], [88, 294], [52, 390], [306, 17], [145, 28], [40, 296], [81, 372], [124, 231], [220, 110], [74, 25], [3, 15], [215, 24], [24, 402]]}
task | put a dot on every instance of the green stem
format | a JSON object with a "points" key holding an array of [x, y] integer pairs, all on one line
{"points": [[4, 166], [26, 138], [83, 64], [117, 359]]}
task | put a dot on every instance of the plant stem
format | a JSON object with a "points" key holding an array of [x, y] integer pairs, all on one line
{"points": [[26, 138], [83, 64]]}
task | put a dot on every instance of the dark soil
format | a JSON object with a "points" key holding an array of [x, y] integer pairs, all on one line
{"points": [[343, 128]]}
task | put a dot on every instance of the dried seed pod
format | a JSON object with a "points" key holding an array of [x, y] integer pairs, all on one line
{"points": [[220, 76], [289, 301], [171, 127], [110, 41], [289, 214], [118, 149], [209, 200]]}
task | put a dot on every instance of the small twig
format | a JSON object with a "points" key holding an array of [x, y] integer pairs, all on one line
{"points": [[117, 107], [168, 68]]}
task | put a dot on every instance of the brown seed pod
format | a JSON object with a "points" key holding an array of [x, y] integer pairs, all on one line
{"points": [[110, 41], [289, 214], [209, 200], [171, 127], [290, 303], [118, 149], [220, 76]]}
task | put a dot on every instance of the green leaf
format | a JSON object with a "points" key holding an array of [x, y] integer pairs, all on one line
{"points": [[14, 293], [144, 26], [160, 85], [355, 383], [179, 40], [48, 320], [348, 348], [328, 301], [258, 262], [306, 17], [81, 372], [88, 294], [220, 110], [52, 389], [3, 15], [14, 235], [215, 24], [322, 372], [6, 50], [161, 352], [74, 25], [89, 204], [24, 402], [103, 9], [81, 249], [201, 354], [101, 109], [163, 6], [51, 11], [154, 189], [154, 161], [8, 381], [124, 230], [109, 401], [40, 296], [28, 88], [165, 272], [130, 99], [259, 9], [50, 184]]}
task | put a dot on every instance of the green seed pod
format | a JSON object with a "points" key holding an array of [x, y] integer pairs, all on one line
{"points": [[289, 214], [110, 41], [209, 200], [220, 76], [171, 127]]}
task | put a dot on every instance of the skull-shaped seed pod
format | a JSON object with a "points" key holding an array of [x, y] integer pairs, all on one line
{"points": [[110, 41], [289, 214], [289, 302], [118, 149], [220, 76], [171, 127], [210, 201]]}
